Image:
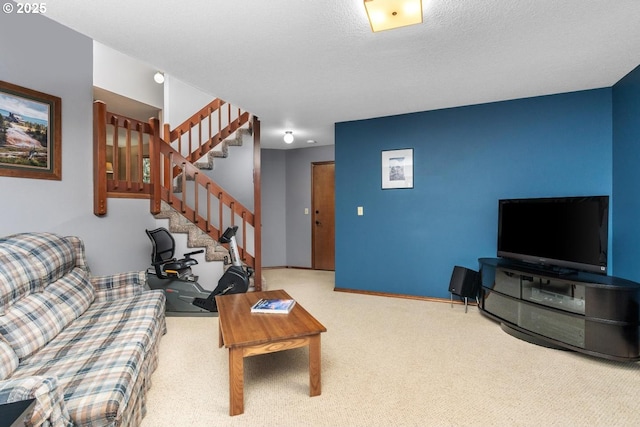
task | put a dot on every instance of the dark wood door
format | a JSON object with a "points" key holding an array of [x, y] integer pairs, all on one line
{"points": [[323, 215]]}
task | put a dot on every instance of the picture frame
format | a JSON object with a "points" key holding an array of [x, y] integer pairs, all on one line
{"points": [[30, 133], [397, 169]]}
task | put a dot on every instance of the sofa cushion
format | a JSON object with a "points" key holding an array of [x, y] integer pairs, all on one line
{"points": [[30, 261], [56, 253], [19, 276], [37, 318], [8, 360], [31, 323], [98, 357], [73, 294]]}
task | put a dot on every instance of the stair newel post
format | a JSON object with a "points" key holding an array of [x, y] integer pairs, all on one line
{"points": [[154, 164], [116, 145], [208, 225], [184, 187], [195, 198], [140, 130], [170, 186], [180, 141], [244, 234], [220, 123], [99, 158], [220, 222], [257, 205], [200, 133], [166, 183], [209, 113], [127, 149], [191, 125]]}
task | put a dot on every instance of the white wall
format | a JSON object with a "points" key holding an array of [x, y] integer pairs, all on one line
{"points": [[40, 54], [182, 100], [127, 76]]}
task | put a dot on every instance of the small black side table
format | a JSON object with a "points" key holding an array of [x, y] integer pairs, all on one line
{"points": [[12, 414]]}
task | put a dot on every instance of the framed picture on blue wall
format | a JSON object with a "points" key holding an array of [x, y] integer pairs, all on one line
{"points": [[397, 169]]}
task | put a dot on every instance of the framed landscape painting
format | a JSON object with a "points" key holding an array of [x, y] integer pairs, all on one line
{"points": [[30, 133]]}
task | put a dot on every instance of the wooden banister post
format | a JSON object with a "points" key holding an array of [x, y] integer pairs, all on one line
{"points": [[257, 206], [99, 158], [166, 178], [154, 164]]}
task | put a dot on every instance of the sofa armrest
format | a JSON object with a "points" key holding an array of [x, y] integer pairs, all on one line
{"points": [[49, 408], [115, 286]]}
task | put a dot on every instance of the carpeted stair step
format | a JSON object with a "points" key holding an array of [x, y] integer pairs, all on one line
{"points": [[196, 238]]}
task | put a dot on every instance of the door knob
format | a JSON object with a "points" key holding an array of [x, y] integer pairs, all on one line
{"points": [[317, 222]]}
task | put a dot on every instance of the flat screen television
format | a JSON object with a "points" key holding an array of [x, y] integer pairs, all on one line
{"points": [[561, 233]]}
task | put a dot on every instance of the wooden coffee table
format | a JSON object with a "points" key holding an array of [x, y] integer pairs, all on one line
{"points": [[248, 334]]}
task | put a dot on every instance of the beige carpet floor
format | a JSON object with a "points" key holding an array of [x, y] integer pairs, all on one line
{"points": [[389, 362]]}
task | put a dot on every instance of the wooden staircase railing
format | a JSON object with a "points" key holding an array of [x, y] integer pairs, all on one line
{"points": [[120, 164], [136, 146], [207, 128], [205, 204]]}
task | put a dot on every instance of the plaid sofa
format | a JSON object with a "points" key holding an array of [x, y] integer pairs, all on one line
{"points": [[83, 346]]}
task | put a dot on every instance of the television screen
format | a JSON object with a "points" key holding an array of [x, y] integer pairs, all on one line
{"points": [[562, 232]]}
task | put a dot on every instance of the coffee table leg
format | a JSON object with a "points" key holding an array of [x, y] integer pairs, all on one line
{"points": [[220, 340], [315, 383], [236, 381]]}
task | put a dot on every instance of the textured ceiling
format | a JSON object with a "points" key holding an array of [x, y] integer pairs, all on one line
{"points": [[304, 65]]}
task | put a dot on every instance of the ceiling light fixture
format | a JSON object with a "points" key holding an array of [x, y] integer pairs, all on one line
{"points": [[288, 137], [158, 77], [389, 14]]}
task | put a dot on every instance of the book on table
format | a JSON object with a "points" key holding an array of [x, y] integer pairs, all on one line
{"points": [[273, 305]]}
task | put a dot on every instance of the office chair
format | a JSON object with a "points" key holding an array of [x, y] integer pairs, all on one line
{"points": [[162, 256]]}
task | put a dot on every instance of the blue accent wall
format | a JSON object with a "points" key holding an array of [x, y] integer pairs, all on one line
{"points": [[626, 175], [465, 159]]}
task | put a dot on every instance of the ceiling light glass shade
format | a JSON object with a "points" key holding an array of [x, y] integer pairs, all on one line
{"points": [[158, 77], [288, 137], [388, 14]]}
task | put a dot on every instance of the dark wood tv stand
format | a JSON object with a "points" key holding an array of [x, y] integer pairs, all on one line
{"points": [[594, 314]]}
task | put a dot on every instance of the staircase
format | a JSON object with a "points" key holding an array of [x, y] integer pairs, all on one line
{"points": [[215, 153], [196, 238], [202, 209], [210, 157]]}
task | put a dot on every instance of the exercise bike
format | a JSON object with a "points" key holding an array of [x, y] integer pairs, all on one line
{"points": [[184, 295], [234, 281]]}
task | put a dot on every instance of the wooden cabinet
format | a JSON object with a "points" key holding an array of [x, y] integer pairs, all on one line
{"points": [[590, 313]]}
